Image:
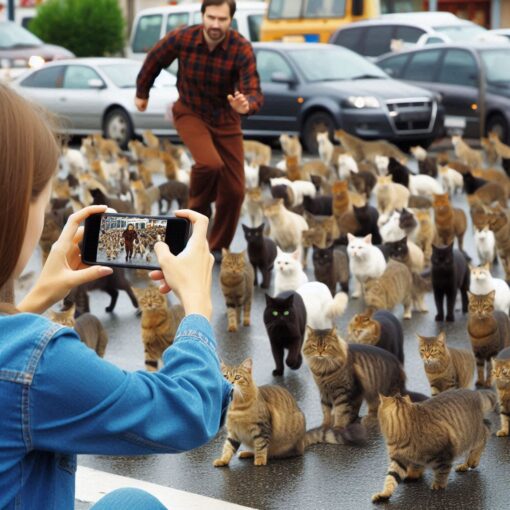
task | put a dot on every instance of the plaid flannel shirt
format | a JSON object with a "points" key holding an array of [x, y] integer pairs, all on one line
{"points": [[205, 78]]}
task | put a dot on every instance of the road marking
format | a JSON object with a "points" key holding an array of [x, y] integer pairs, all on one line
{"points": [[92, 485]]}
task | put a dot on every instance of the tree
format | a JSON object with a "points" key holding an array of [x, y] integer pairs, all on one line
{"points": [[88, 28]]}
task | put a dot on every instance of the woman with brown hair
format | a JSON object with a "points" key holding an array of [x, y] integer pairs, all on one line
{"points": [[58, 398], [129, 235]]}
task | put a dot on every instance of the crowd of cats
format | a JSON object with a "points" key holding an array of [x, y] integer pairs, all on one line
{"points": [[377, 232]]}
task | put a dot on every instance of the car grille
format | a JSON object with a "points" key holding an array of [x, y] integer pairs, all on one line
{"points": [[415, 115]]}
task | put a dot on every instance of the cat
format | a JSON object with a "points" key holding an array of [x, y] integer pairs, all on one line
{"points": [[451, 179], [367, 217], [285, 193], [87, 326], [427, 165], [450, 273], [257, 153], [285, 322], [341, 201], [389, 195], [159, 324], [110, 284], [400, 173], [321, 307], [253, 205], [144, 198], [391, 230], [236, 280], [502, 149], [489, 332], [425, 233], [348, 374], [150, 139], [417, 202], [500, 225], [267, 420], [424, 185], [315, 236], [347, 167], [485, 243], [285, 226], [485, 191], [261, 253], [251, 175], [482, 283], [291, 146], [491, 154], [331, 267], [266, 173], [321, 205], [173, 190], [325, 147], [408, 222], [446, 368], [289, 274], [328, 224], [432, 434], [299, 189], [501, 376], [381, 329], [408, 253], [450, 222], [121, 206], [465, 153], [364, 182], [365, 261], [394, 286]]}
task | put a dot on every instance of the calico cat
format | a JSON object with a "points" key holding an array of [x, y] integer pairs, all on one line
{"points": [[87, 326], [289, 274], [331, 267], [253, 205], [297, 190], [394, 286], [261, 253], [173, 190], [348, 374], [110, 284], [501, 376], [285, 321], [159, 324], [285, 193], [489, 332], [482, 283], [450, 222], [500, 225], [266, 173], [484, 191], [485, 243], [450, 273], [236, 280], [400, 173], [432, 434], [381, 329], [266, 419], [466, 154], [390, 195], [446, 368], [121, 206]]}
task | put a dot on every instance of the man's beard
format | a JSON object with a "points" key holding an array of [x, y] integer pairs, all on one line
{"points": [[215, 33]]}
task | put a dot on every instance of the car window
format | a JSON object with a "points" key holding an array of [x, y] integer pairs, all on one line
{"points": [[235, 25], [378, 40], [77, 77], [269, 62], [324, 8], [422, 66], [394, 65], [49, 78], [408, 34], [197, 18], [147, 33], [434, 40], [459, 68], [176, 20], [351, 38], [254, 24], [279, 9]]}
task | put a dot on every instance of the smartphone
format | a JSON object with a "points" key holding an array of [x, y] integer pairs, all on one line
{"points": [[127, 240]]}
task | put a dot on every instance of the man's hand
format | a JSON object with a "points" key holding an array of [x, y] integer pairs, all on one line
{"points": [[239, 103], [141, 104]]}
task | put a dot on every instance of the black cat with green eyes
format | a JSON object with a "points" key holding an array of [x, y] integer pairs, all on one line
{"points": [[285, 321]]}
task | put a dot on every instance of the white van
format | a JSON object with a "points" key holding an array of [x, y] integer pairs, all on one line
{"points": [[152, 24]]}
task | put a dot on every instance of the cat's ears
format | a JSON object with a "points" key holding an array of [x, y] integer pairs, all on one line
{"points": [[350, 237], [296, 254], [441, 337], [224, 252], [247, 364], [368, 239]]}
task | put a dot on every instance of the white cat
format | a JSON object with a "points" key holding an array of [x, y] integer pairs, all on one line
{"points": [[326, 147], [299, 188], [424, 185], [346, 165], [391, 231], [321, 306], [451, 179], [289, 274], [382, 162], [485, 245], [482, 283], [365, 260], [251, 175]]}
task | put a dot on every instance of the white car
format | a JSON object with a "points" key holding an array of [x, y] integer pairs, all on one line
{"points": [[97, 94]]}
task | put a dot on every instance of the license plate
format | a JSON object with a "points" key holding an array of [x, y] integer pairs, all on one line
{"points": [[451, 121]]}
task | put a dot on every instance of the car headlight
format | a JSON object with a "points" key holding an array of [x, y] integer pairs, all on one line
{"points": [[363, 102], [35, 61]]}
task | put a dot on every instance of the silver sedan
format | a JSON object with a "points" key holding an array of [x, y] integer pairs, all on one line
{"points": [[97, 94]]}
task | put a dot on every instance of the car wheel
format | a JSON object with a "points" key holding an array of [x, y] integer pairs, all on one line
{"points": [[499, 125], [118, 126], [316, 123]]}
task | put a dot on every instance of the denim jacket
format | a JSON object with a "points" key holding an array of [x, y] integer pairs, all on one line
{"points": [[58, 399]]}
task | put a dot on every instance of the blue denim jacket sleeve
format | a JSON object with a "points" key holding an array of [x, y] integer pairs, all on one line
{"points": [[81, 403]]}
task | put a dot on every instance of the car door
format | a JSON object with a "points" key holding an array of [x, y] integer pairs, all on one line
{"points": [[83, 102], [281, 108]]}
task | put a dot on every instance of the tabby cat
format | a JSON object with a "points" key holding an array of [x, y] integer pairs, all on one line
{"points": [[425, 233], [445, 367], [465, 153], [485, 191], [489, 332], [236, 279], [328, 224], [261, 253], [501, 375], [331, 267], [87, 326], [266, 419], [450, 222], [500, 225], [432, 434], [159, 324]]}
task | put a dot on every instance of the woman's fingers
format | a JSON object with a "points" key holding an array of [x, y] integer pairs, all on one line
{"points": [[79, 235], [199, 221], [73, 222]]}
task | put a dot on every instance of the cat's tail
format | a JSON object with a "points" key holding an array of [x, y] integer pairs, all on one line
{"points": [[338, 305], [353, 434], [488, 399]]}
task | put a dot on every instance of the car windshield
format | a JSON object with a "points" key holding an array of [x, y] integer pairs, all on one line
{"points": [[14, 36], [460, 33], [497, 66], [124, 75], [334, 64]]}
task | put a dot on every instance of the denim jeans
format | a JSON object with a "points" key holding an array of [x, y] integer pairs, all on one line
{"points": [[129, 499]]}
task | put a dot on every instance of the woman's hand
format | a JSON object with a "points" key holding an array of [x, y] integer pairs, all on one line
{"points": [[64, 269], [189, 273]]}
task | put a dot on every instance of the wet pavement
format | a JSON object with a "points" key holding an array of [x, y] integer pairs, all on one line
{"points": [[328, 476]]}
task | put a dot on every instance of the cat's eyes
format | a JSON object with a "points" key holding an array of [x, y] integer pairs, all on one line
{"points": [[275, 313], [237, 378], [286, 313]]}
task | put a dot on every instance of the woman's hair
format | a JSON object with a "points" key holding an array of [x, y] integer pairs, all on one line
{"points": [[231, 5], [29, 153]]}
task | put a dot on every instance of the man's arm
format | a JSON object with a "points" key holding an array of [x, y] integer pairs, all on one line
{"points": [[249, 82]]}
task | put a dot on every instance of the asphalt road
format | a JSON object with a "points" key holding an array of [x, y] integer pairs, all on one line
{"points": [[327, 477]]}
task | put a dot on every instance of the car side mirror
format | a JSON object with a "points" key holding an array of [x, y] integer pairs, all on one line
{"points": [[96, 83], [279, 77]]}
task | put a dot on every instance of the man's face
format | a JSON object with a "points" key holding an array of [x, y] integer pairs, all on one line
{"points": [[217, 20]]}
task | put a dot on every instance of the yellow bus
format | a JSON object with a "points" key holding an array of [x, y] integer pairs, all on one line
{"points": [[313, 20]]}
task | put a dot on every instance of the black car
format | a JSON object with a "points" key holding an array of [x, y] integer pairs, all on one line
{"points": [[473, 80], [311, 87]]}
